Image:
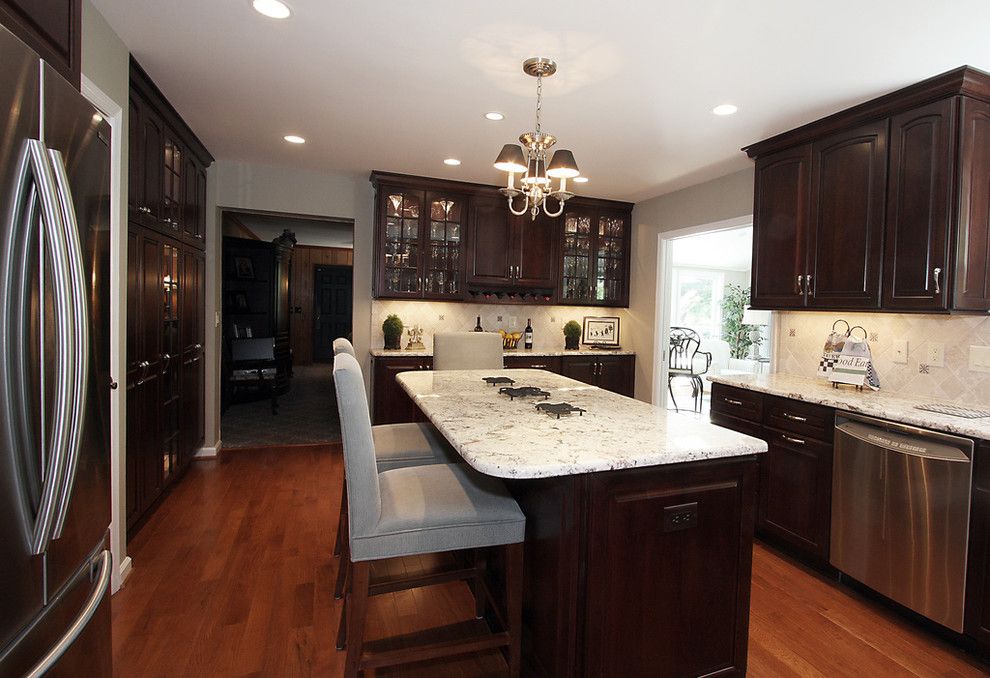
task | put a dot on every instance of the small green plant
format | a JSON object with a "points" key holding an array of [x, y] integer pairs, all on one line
{"points": [[739, 336], [572, 334], [392, 327]]}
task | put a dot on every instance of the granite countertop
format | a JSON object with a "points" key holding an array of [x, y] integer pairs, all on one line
{"points": [[881, 404], [535, 352], [511, 439]]}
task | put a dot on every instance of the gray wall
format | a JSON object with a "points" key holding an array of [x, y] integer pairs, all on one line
{"points": [[716, 200]]}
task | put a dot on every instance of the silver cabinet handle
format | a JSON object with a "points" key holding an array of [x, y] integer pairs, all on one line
{"points": [[144, 209], [807, 284], [794, 417], [537, 367], [937, 272], [80, 623], [80, 333], [797, 284], [733, 402], [796, 441]]}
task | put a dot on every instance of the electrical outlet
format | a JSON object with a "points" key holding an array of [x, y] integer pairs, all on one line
{"points": [[979, 358], [935, 354], [900, 352]]}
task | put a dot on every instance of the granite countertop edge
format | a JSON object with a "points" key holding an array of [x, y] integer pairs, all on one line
{"points": [[535, 353]]}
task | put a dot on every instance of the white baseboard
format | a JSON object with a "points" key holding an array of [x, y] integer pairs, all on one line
{"points": [[123, 572], [208, 452]]}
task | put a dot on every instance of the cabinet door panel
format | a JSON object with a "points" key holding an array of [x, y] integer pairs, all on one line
{"points": [[51, 28], [582, 368], [391, 403], [794, 492], [972, 275], [917, 223], [849, 176], [780, 228], [490, 252], [135, 155], [978, 571], [152, 155], [536, 250], [577, 255], [611, 258], [400, 268], [616, 374], [446, 215]]}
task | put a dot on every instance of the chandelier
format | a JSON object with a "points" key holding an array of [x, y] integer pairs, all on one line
{"points": [[537, 173]]}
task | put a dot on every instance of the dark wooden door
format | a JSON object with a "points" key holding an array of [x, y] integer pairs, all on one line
{"points": [[616, 374], [189, 219], [490, 242], [972, 274], [135, 155], [780, 228], [916, 251], [795, 492], [535, 250], [193, 293], [582, 368], [848, 188], [391, 403], [977, 624], [152, 156], [52, 28], [332, 301]]}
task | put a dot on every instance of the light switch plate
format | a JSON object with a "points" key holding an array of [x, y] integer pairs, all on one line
{"points": [[900, 352], [979, 358], [935, 354]]}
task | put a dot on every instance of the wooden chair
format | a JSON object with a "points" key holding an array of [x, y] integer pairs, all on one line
{"points": [[685, 347], [421, 510]]}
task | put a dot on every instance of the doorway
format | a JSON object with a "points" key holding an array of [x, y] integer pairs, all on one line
{"points": [[333, 292], [705, 326]]}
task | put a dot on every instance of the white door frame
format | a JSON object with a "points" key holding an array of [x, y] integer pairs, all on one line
{"points": [[113, 112], [665, 253]]}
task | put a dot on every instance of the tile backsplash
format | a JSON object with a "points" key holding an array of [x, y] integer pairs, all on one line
{"points": [[443, 316], [800, 337]]}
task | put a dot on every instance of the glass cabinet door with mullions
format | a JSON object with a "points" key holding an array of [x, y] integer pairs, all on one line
{"points": [[444, 250], [610, 264], [401, 270], [577, 256]]}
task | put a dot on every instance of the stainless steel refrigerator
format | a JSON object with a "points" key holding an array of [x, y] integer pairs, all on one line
{"points": [[55, 563]]}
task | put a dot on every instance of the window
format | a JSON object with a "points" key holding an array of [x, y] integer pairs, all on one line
{"points": [[697, 301]]}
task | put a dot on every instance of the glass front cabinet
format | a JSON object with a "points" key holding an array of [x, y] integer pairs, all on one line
{"points": [[595, 257], [420, 244]]}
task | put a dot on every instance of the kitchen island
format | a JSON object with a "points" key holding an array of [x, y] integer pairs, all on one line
{"points": [[639, 522]]}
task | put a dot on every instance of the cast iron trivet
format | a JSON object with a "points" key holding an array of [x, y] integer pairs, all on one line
{"points": [[559, 409], [522, 391], [498, 380]]}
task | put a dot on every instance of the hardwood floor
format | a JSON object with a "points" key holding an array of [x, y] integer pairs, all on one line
{"points": [[233, 577]]}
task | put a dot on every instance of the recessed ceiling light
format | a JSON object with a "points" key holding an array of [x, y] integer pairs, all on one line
{"points": [[725, 109], [294, 139], [494, 115], [580, 180], [273, 9], [454, 162]]}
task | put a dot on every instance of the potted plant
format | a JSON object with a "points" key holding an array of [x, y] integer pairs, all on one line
{"points": [[392, 327], [572, 334], [740, 337]]}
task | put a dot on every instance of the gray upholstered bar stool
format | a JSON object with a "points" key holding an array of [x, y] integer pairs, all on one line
{"points": [[420, 510], [467, 351], [396, 446]]}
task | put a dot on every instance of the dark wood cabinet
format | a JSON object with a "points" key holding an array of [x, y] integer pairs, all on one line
{"points": [[848, 183], [897, 214], [533, 362], [492, 255], [615, 373], [977, 623], [795, 475], [391, 404], [52, 28], [918, 228], [166, 166], [780, 228], [166, 300]]}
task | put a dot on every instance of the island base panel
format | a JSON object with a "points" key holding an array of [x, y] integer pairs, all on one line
{"points": [[641, 572]]}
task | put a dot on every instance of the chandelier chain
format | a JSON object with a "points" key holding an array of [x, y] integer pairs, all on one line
{"points": [[539, 101]]}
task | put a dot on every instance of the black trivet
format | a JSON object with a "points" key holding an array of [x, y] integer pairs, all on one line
{"points": [[523, 391], [559, 409], [498, 380]]}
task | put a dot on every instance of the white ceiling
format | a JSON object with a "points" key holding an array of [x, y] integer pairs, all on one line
{"points": [[400, 86], [724, 250]]}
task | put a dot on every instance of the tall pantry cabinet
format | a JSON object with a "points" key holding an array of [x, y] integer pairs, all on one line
{"points": [[166, 296]]}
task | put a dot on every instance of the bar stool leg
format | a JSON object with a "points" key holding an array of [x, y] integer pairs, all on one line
{"points": [[341, 527], [513, 612], [342, 626], [479, 588], [357, 608], [344, 565]]}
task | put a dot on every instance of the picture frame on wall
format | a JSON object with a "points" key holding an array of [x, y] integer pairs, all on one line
{"points": [[244, 268], [600, 331]]}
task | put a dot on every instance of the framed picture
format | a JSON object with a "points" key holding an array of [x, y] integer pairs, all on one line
{"points": [[244, 268], [600, 331], [238, 302]]}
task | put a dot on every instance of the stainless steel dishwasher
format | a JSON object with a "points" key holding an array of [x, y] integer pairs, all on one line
{"points": [[900, 513]]}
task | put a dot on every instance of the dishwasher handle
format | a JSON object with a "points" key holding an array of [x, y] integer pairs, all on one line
{"points": [[913, 445]]}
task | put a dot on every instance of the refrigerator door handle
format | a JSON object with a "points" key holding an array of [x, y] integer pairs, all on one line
{"points": [[79, 625], [79, 315]]}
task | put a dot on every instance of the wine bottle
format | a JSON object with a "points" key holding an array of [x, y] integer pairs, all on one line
{"points": [[528, 334], [477, 327]]}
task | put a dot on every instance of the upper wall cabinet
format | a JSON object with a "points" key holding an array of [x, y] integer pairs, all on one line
{"points": [[51, 28], [166, 166], [883, 206], [437, 239]]}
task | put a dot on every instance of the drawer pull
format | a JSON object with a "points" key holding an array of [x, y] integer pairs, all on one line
{"points": [[537, 367], [796, 441], [733, 402], [794, 417]]}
